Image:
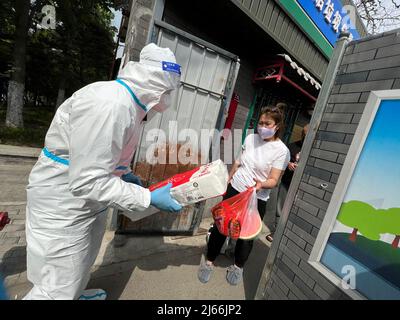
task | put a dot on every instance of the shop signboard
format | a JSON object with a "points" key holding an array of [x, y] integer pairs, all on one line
{"points": [[330, 17], [322, 20]]}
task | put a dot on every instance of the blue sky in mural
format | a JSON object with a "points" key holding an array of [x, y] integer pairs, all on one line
{"points": [[376, 179]]}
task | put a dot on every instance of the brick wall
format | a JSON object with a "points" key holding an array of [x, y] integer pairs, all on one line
{"points": [[372, 63]]}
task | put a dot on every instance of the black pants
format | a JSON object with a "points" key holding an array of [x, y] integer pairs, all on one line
{"points": [[243, 247]]}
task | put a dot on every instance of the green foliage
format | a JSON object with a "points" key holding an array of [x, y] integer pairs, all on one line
{"points": [[79, 51], [362, 216], [41, 67], [369, 221], [390, 221], [7, 28]]}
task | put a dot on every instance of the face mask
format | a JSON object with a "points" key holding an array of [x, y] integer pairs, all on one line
{"points": [[266, 133], [164, 103]]}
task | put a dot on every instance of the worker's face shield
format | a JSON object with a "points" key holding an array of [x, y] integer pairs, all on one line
{"points": [[172, 76]]}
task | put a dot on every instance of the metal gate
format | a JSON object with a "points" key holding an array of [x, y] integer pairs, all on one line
{"points": [[208, 77]]}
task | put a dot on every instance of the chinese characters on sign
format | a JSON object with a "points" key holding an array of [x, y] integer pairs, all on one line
{"points": [[330, 17], [329, 12]]}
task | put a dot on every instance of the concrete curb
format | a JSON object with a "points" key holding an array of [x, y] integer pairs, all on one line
{"points": [[18, 151], [14, 203]]}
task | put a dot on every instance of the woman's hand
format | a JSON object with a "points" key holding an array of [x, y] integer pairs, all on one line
{"points": [[258, 184], [292, 166]]}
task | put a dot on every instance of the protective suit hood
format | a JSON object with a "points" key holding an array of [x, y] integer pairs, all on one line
{"points": [[153, 78]]}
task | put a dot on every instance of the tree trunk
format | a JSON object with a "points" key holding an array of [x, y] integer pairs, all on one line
{"points": [[16, 85], [60, 95], [353, 235], [395, 242]]}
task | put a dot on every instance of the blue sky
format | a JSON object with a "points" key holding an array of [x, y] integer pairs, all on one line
{"points": [[116, 23], [117, 18], [376, 178]]}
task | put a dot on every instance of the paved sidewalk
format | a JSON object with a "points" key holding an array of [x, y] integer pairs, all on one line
{"points": [[17, 151], [159, 268], [14, 172], [13, 247]]}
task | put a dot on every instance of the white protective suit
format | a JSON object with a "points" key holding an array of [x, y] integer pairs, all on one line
{"points": [[89, 145]]}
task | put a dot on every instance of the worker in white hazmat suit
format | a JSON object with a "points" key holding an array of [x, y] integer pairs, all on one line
{"points": [[81, 171]]}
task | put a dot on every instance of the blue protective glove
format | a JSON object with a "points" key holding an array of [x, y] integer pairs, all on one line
{"points": [[161, 199], [131, 178]]}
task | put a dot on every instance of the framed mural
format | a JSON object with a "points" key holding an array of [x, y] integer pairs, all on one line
{"points": [[361, 229]]}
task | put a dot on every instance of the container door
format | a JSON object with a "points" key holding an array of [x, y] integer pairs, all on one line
{"points": [[208, 78]]}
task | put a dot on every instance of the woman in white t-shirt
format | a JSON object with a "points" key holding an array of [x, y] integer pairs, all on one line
{"points": [[262, 162]]}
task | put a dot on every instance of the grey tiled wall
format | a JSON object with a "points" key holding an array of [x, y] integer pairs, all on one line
{"points": [[372, 63]]}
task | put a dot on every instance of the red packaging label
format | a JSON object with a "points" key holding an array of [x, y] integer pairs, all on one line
{"points": [[176, 180], [4, 219]]}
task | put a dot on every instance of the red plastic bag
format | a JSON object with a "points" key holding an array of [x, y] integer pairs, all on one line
{"points": [[4, 219], [238, 217]]}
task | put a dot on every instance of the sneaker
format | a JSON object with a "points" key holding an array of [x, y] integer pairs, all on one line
{"points": [[93, 294], [234, 275], [205, 271]]}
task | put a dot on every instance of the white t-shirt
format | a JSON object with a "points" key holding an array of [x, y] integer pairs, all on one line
{"points": [[257, 159]]}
